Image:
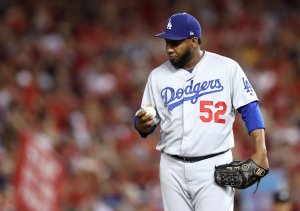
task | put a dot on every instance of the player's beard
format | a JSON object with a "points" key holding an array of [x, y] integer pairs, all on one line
{"points": [[181, 61]]}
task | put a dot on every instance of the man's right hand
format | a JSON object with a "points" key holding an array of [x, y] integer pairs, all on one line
{"points": [[144, 122]]}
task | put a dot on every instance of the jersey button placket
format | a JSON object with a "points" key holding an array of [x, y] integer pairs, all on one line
{"points": [[186, 106]]}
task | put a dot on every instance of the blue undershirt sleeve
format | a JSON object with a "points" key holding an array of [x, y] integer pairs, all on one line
{"points": [[144, 135], [252, 116]]}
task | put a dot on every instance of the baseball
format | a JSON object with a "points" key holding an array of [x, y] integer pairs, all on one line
{"points": [[150, 111]]}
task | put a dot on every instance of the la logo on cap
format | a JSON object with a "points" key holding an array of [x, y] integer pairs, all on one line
{"points": [[169, 25], [181, 26]]}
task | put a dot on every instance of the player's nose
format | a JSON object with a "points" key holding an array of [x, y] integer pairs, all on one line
{"points": [[169, 49]]}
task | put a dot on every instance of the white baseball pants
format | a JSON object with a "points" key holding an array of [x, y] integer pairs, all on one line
{"points": [[191, 186]]}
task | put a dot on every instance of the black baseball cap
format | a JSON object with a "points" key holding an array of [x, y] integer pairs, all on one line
{"points": [[181, 26]]}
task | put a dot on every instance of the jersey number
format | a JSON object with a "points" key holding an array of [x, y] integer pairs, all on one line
{"points": [[207, 115]]}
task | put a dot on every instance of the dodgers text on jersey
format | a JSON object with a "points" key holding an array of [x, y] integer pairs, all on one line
{"points": [[173, 98]]}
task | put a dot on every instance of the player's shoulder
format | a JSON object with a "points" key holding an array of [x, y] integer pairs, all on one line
{"points": [[217, 58], [163, 69]]}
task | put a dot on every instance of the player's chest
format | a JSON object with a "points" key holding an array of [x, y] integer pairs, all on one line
{"points": [[188, 89]]}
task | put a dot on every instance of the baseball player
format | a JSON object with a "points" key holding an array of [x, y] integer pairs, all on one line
{"points": [[196, 94]]}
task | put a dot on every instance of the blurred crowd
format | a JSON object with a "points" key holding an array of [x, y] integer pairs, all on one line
{"points": [[75, 71]]}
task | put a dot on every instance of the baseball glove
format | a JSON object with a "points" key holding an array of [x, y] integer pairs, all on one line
{"points": [[239, 174]]}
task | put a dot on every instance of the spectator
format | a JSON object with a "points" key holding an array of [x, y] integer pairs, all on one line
{"points": [[282, 201]]}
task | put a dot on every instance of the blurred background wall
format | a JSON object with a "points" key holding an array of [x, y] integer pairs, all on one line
{"points": [[72, 74]]}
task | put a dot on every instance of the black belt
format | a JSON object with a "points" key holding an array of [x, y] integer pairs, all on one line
{"points": [[195, 159]]}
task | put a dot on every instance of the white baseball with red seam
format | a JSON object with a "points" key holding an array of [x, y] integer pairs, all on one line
{"points": [[150, 111]]}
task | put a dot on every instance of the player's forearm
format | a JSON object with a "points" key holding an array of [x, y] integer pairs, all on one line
{"points": [[259, 139], [260, 155]]}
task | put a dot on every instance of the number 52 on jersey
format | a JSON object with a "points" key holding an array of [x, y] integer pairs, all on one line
{"points": [[212, 112]]}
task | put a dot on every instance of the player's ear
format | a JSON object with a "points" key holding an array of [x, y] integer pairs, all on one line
{"points": [[195, 42]]}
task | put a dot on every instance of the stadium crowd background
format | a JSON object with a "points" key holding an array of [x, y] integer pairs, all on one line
{"points": [[75, 71]]}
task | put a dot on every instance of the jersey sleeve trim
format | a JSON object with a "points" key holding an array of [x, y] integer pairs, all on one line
{"points": [[251, 115]]}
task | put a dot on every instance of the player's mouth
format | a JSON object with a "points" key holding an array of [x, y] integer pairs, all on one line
{"points": [[172, 57]]}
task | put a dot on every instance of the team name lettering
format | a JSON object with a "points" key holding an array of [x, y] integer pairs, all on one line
{"points": [[173, 98]]}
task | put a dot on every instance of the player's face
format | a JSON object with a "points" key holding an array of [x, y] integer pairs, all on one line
{"points": [[179, 52]]}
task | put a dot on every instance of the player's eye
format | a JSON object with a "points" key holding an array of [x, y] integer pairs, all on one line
{"points": [[173, 43]]}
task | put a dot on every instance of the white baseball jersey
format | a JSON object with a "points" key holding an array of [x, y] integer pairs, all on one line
{"points": [[196, 110]]}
